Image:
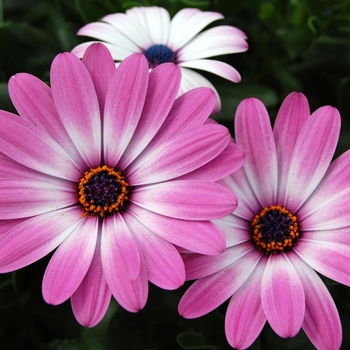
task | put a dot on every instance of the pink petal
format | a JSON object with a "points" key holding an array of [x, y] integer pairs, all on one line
{"points": [[32, 239], [254, 135], [282, 296], [187, 23], [130, 294], [209, 292], [290, 120], [33, 100], [213, 42], [228, 161], [22, 198], [197, 236], [165, 267], [312, 155], [91, 300], [321, 323], [70, 263], [191, 80], [179, 155], [76, 101], [331, 259], [245, 317], [190, 110], [187, 199], [219, 68], [163, 85], [124, 104], [101, 67], [23, 142]]}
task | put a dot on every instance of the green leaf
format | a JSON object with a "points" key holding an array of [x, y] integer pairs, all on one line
{"points": [[192, 340]]}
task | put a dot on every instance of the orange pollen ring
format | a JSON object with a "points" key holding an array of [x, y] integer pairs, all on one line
{"points": [[90, 206], [274, 230]]}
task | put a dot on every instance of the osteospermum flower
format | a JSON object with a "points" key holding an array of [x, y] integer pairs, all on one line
{"points": [[292, 219], [150, 31], [109, 168]]}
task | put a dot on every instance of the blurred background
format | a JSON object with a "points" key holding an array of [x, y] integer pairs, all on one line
{"points": [[294, 45]]}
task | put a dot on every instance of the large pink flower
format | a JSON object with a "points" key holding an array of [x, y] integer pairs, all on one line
{"points": [[150, 31], [107, 166], [293, 217]]}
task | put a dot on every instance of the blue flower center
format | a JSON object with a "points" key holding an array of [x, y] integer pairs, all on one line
{"points": [[274, 230], [103, 191], [158, 54]]}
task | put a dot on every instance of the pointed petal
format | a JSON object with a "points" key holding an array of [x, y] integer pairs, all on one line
{"points": [[282, 296], [219, 68], [179, 155], [186, 199], [321, 323], [165, 267], [197, 236], [254, 135], [213, 42], [163, 86], [187, 23], [130, 294], [23, 142], [76, 102], [191, 80], [70, 263], [312, 155], [101, 67], [290, 120], [124, 104], [331, 259], [21, 198], [245, 317], [209, 292], [32, 239], [91, 300]]}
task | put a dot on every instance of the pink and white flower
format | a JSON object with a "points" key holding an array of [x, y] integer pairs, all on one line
{"points": [[292, 219], [107, 167], [150, 31]]}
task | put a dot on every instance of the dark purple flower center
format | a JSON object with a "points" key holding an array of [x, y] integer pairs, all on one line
{"points": [[158, 54], [274, 230], [103, 191]]}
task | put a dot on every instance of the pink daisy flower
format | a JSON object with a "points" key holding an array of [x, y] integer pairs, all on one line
{"points": [[292, 220], [107, 166], [150, 31]]}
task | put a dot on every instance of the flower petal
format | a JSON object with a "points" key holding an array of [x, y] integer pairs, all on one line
{"points": [[209, 292], [331, 259], [321, 322], [130, 294], [187, 23], [245, 317], [91, 300], [101, 67], [32, 239], [179, 155], [70, 263], [163, 85], [254, 135], [219, 68], [187, 199], [213, 42], [124, 104], [282, 296], [165, 267], [76, 102], [198, 236], [290, 120], [312, 155], [20, 198]]}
